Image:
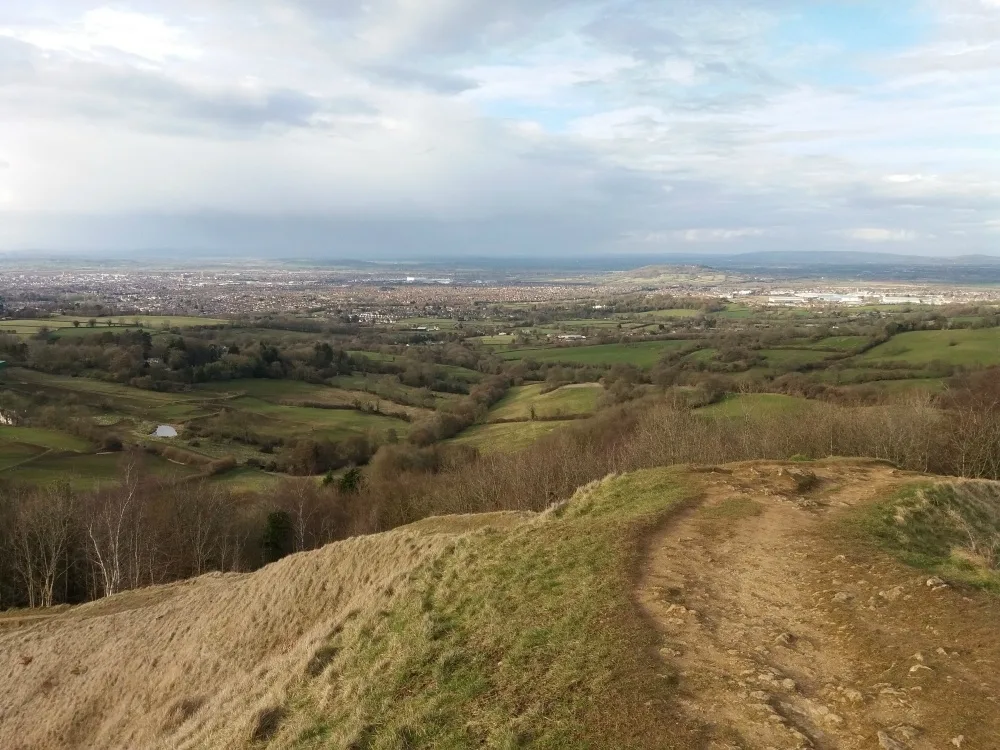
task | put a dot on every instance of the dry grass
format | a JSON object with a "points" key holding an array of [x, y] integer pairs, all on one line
{"points": [[195, 664], [499, 630]]}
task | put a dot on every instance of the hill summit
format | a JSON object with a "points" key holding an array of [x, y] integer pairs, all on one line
{"points": [[788, 605]]}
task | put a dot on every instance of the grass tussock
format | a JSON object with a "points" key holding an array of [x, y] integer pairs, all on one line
{"points": [[951, 529], [503, 630]]}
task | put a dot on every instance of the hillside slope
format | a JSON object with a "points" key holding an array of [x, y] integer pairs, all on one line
{"points": [[670, 608]]}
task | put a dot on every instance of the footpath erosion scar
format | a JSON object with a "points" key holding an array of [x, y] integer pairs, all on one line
{"points": [[783, 631]]}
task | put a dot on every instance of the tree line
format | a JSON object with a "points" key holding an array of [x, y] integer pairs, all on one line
{"points": [[58, 546]]}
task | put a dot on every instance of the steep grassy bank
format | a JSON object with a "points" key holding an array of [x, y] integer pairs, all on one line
{"points": [[501, 630], [950, 529]]}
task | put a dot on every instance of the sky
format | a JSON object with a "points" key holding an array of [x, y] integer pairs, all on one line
{"points": [[449, 128]]}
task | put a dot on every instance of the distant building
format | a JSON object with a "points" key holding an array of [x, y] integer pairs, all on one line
{"points": [[888, 299], [572, 337]]}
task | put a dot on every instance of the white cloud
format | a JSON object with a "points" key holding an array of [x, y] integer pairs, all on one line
{"points": [[658, 122], [107, 28], [718, 235], [874, 234]]}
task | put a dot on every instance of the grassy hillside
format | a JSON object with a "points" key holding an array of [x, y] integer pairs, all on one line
{"points": [[522, 630], [952, 530], [958, 347], [568, 401], [421, 637]]}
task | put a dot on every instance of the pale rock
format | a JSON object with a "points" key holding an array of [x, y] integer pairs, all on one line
{"points": [[892, 594], [854, 696], [785, 639], [888, 743]]}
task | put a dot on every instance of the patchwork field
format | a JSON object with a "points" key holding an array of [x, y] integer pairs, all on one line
{"points": [[281, 409]]}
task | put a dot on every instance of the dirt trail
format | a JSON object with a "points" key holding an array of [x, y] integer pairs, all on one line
{"points": [[783, 634]]}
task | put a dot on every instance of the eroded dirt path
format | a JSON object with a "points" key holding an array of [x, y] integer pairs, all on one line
{"points": [[783, 634]]}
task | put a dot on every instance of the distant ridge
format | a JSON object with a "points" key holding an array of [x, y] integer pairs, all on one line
{"points": [[830, 259]]}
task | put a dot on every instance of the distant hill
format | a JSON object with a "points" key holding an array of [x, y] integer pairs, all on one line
{"points": [[779, 258]]}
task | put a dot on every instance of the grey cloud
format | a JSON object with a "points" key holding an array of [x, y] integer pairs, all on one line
{"points": [[442, 28], [633, 34], [228, 108], [299, 236], [867, 197], [442, 83], [153, 101]]}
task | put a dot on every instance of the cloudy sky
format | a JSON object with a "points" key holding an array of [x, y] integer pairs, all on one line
{"points": [[393, 128]]}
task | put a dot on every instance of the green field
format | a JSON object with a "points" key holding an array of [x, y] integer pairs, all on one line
{"points": [[294, 421], [640, 354], [792, 357], [281, 409], [14, 453], [45, 439], [121, 400], [568, 401], [507, 436], [666, 314], [87, 471], [494, 341], [288, 392], [64, 324], [840, 343], [246, 479], [958, 347]]}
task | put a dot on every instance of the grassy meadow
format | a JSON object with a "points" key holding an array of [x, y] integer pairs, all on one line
{"points": [[566, 402], [959, 347], [64, 325]]}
